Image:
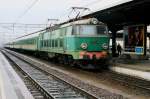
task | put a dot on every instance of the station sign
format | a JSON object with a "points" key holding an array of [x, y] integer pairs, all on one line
{"points": [[134, 39]]}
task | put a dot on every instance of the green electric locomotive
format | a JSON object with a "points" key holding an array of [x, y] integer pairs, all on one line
{"points": [[84, 42]]}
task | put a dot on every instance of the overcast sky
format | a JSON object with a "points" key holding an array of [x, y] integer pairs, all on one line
{"points": [[16, 11]]}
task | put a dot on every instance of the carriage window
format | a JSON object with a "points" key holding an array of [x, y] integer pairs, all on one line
{"points": [[69, 30], [46, 36], [53, 44], [49, 43], [61, 42], [56, 43], [62, 31]]}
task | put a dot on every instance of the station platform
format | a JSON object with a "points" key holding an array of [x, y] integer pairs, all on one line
{"points": [[11, 85], [136, 68]]}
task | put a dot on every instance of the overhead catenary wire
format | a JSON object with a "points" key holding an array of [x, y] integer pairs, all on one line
{"points": [[28, 8], [31, 6], [11, 26], [85, 5], [91, 3], [35, 1]]}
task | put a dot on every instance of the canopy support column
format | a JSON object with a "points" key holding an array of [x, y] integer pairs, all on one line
{"points": [[113, 43]]}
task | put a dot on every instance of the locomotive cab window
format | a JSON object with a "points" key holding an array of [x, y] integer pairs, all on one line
{"points": [[101, 29], [90, 30]]}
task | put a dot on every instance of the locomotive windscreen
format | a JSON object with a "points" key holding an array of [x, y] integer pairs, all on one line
{"points": [[90, 29]]}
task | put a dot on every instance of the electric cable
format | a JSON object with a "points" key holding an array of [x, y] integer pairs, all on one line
{"points": [[29, 8]]}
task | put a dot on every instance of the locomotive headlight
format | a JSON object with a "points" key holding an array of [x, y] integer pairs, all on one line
{"points": [[105, 46], [84, 45]]}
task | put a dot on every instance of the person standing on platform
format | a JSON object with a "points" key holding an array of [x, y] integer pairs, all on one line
{"points": [[119, 49]]}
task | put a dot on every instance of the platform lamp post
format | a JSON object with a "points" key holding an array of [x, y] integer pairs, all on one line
{"points": [[145, 40], [113, 42]]}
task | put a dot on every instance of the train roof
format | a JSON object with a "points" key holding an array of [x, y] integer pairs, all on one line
{"points": [[65, 24], [31, 35], [81, 21]]}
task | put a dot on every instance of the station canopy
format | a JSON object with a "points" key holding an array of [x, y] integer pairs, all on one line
{"points": [[129, 13]]}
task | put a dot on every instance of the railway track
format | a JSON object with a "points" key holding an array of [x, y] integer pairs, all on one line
{"points": [[28, 82], [131, 81], [49, 86], [84, 89]]}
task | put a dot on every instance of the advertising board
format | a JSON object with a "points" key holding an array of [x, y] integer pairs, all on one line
{"points": [[134, 39]]}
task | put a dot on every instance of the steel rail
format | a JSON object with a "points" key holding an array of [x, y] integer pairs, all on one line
{"points": [[132, 81], [34, 90], [52, 87]]}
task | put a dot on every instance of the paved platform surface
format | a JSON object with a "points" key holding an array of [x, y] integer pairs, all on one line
{"points": [[142, 65], [136, 68], [11, 85]]}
